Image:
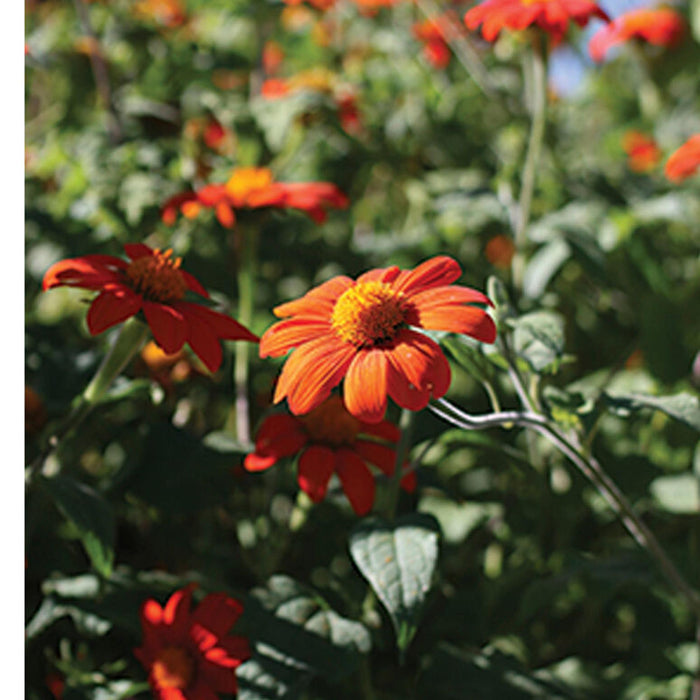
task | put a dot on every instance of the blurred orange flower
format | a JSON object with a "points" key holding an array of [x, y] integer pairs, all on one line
{"points": [[153, 283], [34, 411], [432, 33], [684, 161], [361, 331], [191, 655], [330, 440], [272, 57], [643, 154], [253, 188], [169, 13], [662, 27], [552, 16], [499, 251]]}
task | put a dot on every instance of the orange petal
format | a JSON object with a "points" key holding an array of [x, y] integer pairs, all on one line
{"points": [[315, 469], [365, 389], [318, 302], [287, 334], [469, 320], [110, 308], [438, 271], [167, 324], [357, 480]]}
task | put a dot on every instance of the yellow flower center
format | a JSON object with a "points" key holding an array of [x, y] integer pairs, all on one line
{"points": [[244, 181], [368, 314], [331, 424], [173, 668], [157, 277]]}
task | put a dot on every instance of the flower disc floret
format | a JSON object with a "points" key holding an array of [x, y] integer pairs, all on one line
{"points": [[173, 667], [369, 314], [157, 277]]}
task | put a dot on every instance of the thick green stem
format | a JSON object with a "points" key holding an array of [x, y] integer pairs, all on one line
{"points": [[406, 427], [538, 68], [245, 243], [129, 341]]}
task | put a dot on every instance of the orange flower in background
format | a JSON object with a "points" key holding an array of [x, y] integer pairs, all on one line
{"points": [[684, 161], [499, 251], [318, 4], [329, 440], [254, 188], [432, 33], [34, 412], [169, 13], [153, 283], [662, 27], [552, 16], [163, 368], [643, 154], [360, 331], [272, 57], [191, 655]]}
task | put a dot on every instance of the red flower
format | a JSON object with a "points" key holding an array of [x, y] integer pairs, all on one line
{"points": [[642, 152], [151, 282], [663, 27], [359, 330], [190, 655], [684, 161], [330, 440], [252, 188], [552, 16], [432, 33]]}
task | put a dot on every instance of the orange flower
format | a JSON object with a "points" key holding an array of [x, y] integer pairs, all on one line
{"points": [[272, 57], [253, 188], [499, 251], [329, 440], [662, 27], [191, 655], [552, 16], [34, 412], [152, 282], [432, 33], [169, 13], [163, 368], [684, 161], [359, 330], [642, 152]]}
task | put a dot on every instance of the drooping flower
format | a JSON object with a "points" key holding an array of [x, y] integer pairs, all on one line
{"points": [[329, 440], [253, 188], [684, 161], [360, 331], [191, 655], [661, 27], [552, 16], [153, 283], [643, 153], [432, 32]]}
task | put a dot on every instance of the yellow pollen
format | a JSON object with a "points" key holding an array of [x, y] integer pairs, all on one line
{"points": [[244, 181], [157, 277], [173, 668], [368, 314], [331, 424]]}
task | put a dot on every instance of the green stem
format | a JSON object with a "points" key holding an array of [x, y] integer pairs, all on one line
{"points": [[591, 470], [406, 427], [538, 67], [245, 243], [127, 344]]}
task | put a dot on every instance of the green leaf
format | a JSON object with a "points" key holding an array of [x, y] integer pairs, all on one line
{"points": [[296, 637], [684, 407], [92, 516], [399, 562], [544, 265], [538, 339], [88, 622], [677, 493], [469, 355]]}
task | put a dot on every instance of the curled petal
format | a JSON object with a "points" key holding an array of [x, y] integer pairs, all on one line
{"points": [[88, 272], [438, 271], [280, 435]]}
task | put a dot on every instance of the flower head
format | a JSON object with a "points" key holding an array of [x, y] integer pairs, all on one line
{"points": [[432, 33], [684, 161], [191, 655], [152, 282], [552, 16], [253, 188], [360, 331], [662, 27], [642, 151], [329, 440]]}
